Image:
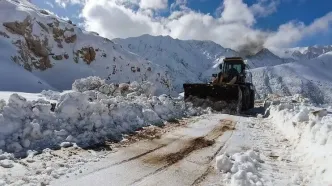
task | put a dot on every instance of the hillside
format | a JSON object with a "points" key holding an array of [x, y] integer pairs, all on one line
{"points": [[41, 51], [190, 60], [311, 78], [45, 52]]}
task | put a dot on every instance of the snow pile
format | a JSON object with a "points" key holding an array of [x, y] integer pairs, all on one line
{"points": [[85, 118], [51, 95], [241, 169], [310, 129], [89, 83], [122, 89]]}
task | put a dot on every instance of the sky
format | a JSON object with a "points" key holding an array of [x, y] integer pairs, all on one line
{"points": [[231, 23]]}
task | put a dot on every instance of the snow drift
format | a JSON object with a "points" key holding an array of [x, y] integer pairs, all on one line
{"points": [[310, 130], [93, 113]]}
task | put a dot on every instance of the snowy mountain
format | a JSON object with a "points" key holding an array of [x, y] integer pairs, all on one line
{"points": [[302, 53], [311, 78], [40, 46], [190, 60], [266, 58], [41, 51], [186, 61]]}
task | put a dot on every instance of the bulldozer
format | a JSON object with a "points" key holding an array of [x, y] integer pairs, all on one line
{"points": [[230, 91]]}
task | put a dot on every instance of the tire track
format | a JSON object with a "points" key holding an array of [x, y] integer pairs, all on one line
{"points": [[209, 170], [193, 145], [134, 157]]}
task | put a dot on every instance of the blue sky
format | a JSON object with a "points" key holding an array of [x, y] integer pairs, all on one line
{"points": [[305, 11]]}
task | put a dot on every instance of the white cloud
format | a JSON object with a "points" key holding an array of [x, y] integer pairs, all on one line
{"points": [[64, 3], [264, 8], [237, 12], [292, 32], [234, 27], [112, 20], [154, 4], [181, 4]]}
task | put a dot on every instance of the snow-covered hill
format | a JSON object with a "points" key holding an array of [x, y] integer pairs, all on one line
{"points": [[191, 60], [311, 78], [186, 61], [41, 51], [266, 58]]}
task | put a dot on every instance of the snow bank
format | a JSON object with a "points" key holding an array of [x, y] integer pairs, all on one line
{"points": [[310, 130], [90, 115], [241, 169], [51, 95]]}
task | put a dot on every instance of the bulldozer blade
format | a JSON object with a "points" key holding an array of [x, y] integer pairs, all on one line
{"points": [[219, 97]]}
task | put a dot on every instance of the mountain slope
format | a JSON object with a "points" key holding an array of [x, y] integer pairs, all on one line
{"points": [[41, 51], [266, 58], [43, 48], [312, 78], [186, 61], [14, 77], [190, 60]]}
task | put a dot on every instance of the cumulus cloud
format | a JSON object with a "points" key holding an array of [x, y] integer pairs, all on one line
{"points": [[264, 8], [154, 4], [113, 20], [233, 27], [235, 11], [292, 32]]}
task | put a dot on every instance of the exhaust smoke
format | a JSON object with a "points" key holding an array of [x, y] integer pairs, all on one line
{"points": [[251, 46]]}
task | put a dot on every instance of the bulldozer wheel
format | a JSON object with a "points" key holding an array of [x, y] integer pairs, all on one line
{"points": [[252, 99]]}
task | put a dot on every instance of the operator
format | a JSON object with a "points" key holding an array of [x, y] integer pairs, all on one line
{"points": [[230, 77]]}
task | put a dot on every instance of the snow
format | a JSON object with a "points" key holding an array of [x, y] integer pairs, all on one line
{"points": [[288, 145], [311, 78], [166, 62], [309, 128], [87, 117], [6, 163], [189, 60], [242, 168], [301, 53], [111, 61], [127, 86]]}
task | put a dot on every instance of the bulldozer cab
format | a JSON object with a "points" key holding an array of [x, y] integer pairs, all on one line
{"points": [[232, 63], [230, 68]]}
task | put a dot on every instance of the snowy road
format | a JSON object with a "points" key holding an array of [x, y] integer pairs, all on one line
{"points": [[177, 158], [186, 156]]}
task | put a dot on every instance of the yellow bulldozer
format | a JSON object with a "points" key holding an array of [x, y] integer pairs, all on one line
{"points": [[231, 90]]}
